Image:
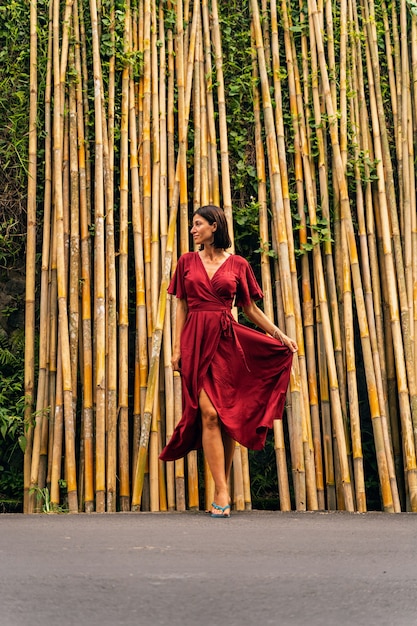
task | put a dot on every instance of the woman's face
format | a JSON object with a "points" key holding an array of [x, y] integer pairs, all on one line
{"points": [[202, 231]]}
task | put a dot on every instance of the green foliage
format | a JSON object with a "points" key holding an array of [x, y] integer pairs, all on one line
{"points": [[264, 481], [320, 233], [43, 496], [237, 69], [114, 44], [12, 404], [14, 105], [412, 5]]}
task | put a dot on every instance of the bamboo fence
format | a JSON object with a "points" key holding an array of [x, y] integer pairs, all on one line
{"points": [[136, 137]]}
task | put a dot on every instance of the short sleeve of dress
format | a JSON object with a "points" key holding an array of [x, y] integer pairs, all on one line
{"points": [[248, 288], [176, 287]]}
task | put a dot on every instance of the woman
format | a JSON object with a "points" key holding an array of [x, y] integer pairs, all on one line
{"points": [[234, 379]]}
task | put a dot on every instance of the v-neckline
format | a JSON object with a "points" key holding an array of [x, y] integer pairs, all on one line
{"points": [[204, 267]]}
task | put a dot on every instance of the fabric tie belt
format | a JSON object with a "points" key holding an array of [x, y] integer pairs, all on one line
{"points": [[226, 320]]}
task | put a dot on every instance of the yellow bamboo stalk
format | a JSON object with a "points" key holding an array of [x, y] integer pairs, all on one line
{"points": [[208, 74], [153, 453], [52, 332], [352, 382], [308, 322], [123, 300], [280, 452], [405, 199], [192, 470], [146, 161], [155, 248], [167, 339], [29, 369], [61, 278], [329, 461], [99, 276], [111, 288], [238, 498], [203, 120], [74, 248], [197, 125], [308, 448], [156, 163], [78, 9], [85, 281], [332, 255], [170, 111], [179, 473], [180, 463], [414, 116], [141, 348], [182, 139], [57, 439], [163, 179], [221, 103]]}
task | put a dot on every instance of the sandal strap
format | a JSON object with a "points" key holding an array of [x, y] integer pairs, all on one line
{"points": [[220, 508]]}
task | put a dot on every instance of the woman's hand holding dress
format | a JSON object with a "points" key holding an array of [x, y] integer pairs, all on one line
{"points": [[258, 317], [175, 362]]}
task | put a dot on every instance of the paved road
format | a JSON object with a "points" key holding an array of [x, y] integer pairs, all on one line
{"points": [[258, 568]]}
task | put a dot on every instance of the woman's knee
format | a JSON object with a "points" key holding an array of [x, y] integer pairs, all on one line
{"points": [[210, 418]]}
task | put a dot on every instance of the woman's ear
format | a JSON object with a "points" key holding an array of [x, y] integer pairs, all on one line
{"points": [[214, 224]]}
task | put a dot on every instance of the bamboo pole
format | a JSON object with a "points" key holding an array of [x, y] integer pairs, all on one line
{"points": [[208, 75], [29, 373], [221, 103], [308, 449], [99, 276], [57, 439], [111, 288], [85, 281], [141, 347], [123, 300], [61, 279], [283, 483]]}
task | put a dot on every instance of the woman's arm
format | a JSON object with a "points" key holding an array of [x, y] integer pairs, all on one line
{"points": [[180, 317], [258, 317]]}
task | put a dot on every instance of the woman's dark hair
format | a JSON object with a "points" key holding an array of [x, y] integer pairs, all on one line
{"points": [[213, 214]]}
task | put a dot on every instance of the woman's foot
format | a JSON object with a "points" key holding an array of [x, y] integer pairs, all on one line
{"points": [[221, 505], [220, 511]]}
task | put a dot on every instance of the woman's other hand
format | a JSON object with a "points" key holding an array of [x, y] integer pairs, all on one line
{"points": [[287, 341], [176, 362]]}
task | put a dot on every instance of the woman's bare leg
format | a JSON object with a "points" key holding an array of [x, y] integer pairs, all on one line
{"points": [[214, 449]]}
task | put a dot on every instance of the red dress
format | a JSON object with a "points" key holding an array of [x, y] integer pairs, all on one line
{"points": [[244, 372]]}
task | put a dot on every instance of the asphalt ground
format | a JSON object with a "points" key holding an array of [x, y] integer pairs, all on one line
{"points": [[257, 568]]}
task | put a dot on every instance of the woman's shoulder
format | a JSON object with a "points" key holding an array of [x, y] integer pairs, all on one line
{"points": [[239, 261], [187, 257]]}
